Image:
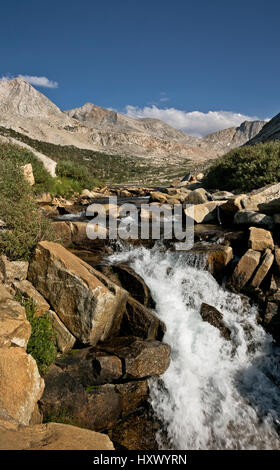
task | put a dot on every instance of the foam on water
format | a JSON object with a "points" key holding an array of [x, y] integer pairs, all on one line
{"points": [[216, 394]]}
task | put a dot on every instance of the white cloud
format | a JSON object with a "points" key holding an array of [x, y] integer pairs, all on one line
{"points": [[194, 123], [43, 82]]}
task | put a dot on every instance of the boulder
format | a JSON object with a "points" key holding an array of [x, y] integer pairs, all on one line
{"points": [[215, 318], [232, 205], [87, 303], [157, 196], [20, 386], [27, 171], [245, 269], [263, 269], [139, 321], [204, 213], [273, 327], [90, 366], [260, 239], [222, 196], [15, 330], [272, 207], [95, 407], [197, 196], [257, 198], [141, 358], [218, 258], [53, 436], [252, 218], [64, 339], [11, 271], [133, 283], [44, 198], [63, 232], [27, 290]]}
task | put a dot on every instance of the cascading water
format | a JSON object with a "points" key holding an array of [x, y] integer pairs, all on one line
{"points": [[216, 394]]}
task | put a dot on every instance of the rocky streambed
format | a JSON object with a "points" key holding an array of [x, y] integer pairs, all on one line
{"points": [[158, 348]]}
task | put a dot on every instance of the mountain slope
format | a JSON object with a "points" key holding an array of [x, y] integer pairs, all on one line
{"points": [[27, 111], [270, 131]]}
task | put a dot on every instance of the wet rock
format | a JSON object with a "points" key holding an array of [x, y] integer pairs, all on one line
{"points": [[215, 318], [64, 339], [27, 290], [141, 358], [252, 218], [273, 327], [134, 284], [260, 239], [20, 386], [218, 258], [271, 310], [53, 436], [139, 321], [263, 269], [87, 303], [245, 269]]}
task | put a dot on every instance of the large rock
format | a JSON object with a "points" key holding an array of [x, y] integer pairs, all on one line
{"points": [[140, 321], [63, 232], [15, 330], [232, 205], [27, 290], [263, 269], [260, 239], [140, 358], [215, 318], [27, 171], [245, 269], [204, 213], [133, 283], [273, 327], [252, 218], [217, 258], [53, 436], [257, 199], [90, 366], [20, 385], [11, 271], [64, 339], [157, 196], [198, 196], [96, 407], [88, 303]]}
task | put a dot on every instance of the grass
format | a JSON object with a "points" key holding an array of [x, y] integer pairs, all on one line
{"points": [[246, 168], [101, 167], [42, 342]]}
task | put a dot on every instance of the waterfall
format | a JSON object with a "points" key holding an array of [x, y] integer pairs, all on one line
{"points": [[216, 394]]}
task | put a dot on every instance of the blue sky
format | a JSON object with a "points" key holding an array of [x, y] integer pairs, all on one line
{"points": [[182, 61]]}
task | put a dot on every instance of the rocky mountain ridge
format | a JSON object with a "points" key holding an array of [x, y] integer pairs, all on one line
{"points": [[26, 110]]}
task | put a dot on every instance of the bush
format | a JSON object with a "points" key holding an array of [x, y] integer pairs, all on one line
{"points": [[20, 156], [246, 168], [41, 344], [26, 225]]}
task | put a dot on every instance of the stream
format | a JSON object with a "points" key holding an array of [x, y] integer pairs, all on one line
{"points": [[216, 394]]}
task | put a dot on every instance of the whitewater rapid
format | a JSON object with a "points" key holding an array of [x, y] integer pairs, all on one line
{"points": [[216, 394]]}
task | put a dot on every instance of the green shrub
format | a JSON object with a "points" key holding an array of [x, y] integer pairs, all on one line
{"points": [[246, 168], [76, 172], [20, 156], [26, 225], [41, 345]]}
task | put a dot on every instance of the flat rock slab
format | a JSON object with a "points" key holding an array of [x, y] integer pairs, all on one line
{"points": [[53, 436]]}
